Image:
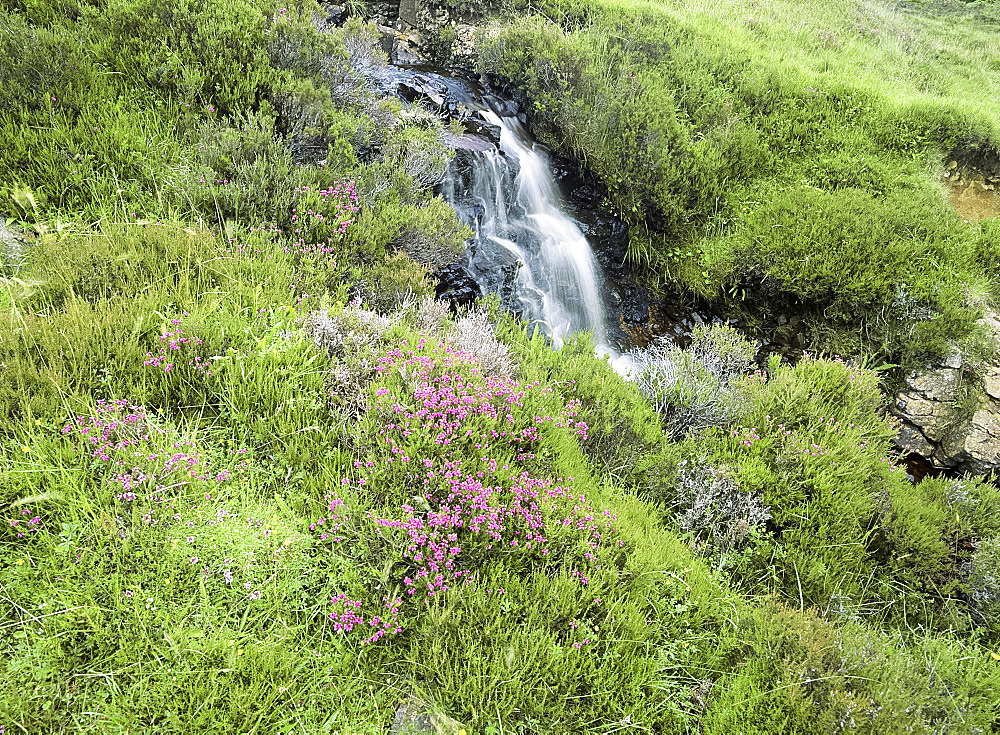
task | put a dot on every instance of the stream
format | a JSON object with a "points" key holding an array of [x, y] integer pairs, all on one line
{"points": [[511, 200]]}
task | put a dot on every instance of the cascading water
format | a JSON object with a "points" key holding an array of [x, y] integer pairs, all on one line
{"points": [[526, 248], [518, 211]]}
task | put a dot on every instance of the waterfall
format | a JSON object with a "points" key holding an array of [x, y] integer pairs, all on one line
{"points": [[526, 247]]}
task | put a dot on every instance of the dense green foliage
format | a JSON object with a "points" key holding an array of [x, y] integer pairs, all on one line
{"points": [[763, 160], [252, 479]]}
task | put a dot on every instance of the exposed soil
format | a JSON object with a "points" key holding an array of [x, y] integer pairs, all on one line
{"points": [[972, 174], [974, 195]]}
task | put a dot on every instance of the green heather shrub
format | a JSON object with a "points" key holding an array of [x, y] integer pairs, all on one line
{"points": [[803, 674], [815, 446], [698, 387], [432, 235], [983, 583], [390, 284], [938, 541], [896, 258], [193, 53], [622, 425], [848, 533]]}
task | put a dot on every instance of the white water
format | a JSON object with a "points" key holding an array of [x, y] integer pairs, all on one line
{"points": [[557, 281]]}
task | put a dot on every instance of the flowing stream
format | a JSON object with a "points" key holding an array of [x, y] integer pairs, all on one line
{"points": [[517, 211]]}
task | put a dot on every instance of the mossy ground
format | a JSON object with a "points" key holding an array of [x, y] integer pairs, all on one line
{"points": [[208, 456]]}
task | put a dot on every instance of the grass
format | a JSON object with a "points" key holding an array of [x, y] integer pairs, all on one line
{"points": [[251, 480], [704, 120]]}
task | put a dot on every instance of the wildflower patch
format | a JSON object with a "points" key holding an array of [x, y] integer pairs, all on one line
{"points": [[458, 481]]}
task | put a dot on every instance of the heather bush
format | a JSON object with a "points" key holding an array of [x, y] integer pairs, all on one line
{"points": [[814, 445], [473, 334], [388, 285], [984, 585], [712, 509], [433, 236], [429, 315], [805, 674], [695, 388], [902, 259], [933, 538], [179, 55]]}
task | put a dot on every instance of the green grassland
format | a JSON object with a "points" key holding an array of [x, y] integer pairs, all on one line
{"points": [[253, 480], [781, 156]]}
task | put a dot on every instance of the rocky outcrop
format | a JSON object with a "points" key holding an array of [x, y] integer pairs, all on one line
{"points": [[436, 30], [416, 717], [950, 412]]}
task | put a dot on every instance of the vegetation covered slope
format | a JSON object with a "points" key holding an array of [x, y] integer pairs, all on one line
{"points": [[251, 479], [781, 155]]}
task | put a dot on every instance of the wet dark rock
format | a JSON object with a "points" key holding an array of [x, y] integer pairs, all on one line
{"points": [[634, 305], [456, 285], [587, 196], [422, 87], [468, 142], [384, 11], [335, 14], [567, 173], [480, 127], [608, 236]]}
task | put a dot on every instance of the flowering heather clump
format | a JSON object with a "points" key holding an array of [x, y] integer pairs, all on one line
{"points": [[174, 345], [349, 616], [116, 426], [119, 437], [322, 218], [330, 526], [23, 526], [466, 512]]}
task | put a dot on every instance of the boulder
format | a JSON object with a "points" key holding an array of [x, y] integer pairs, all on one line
{"points": [[468, 142], [974, 444], [950, 412], [336, 14]]}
